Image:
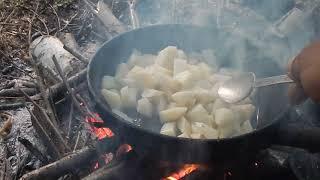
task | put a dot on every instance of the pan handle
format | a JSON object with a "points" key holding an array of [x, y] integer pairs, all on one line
{"points": [[300, 137]]}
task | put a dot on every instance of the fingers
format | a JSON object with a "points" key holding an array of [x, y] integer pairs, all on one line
{"points": [[293, 69], [296, 94]]}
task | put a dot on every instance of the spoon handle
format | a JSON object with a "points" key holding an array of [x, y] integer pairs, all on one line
{"points": [[272, 80]]}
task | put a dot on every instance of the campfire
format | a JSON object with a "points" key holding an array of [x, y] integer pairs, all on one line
{"points": [[50, 127]]}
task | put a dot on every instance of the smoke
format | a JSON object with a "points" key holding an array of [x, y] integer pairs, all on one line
{"points": [[275, 29]]}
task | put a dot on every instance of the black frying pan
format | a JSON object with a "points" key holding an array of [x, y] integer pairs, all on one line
{"points": [[271, 102]]}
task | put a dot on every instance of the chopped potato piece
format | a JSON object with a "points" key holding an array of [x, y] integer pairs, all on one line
{"points": [[203, 96], [184, 126], [109, 82], [184, 98], [244, 111], [205, 69], [184, 135], [137, 59], [224, 117], [207, 131], [143, 78], [246, 127], [122, 71], [145, 107], [196, 136], [209, 107], [169, 129], [180, 65], [158, 69], [228, 131], [185, 79], [153, 95], [113, 98], [129, 97], [166, 57], [172, 114], [181, 54], [199, 114], [218, 103], [204, 84], [163, 104], [166, 83]]}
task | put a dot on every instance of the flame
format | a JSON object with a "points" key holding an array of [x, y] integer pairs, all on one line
{"points": [[101, 133], [184, 171]]}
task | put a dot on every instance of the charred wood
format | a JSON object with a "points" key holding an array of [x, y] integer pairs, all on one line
{"points": [[17, 93]]}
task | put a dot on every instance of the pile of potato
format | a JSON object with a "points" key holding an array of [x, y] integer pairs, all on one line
{"points": [[180, 91]]}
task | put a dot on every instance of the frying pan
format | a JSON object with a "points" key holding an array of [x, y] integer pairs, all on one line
{"points": [[271, 102]]}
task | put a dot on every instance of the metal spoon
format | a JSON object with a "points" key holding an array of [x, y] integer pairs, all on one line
{"points": [[241, 86]]}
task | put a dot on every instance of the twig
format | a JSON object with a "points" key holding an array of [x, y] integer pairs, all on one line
{"points": [[65, 165], [11, 106], [17, 93], [71, 162], [8, 85], [42, 89], [43, 133], [54, 132], [77, 141], [76, 54], [58, 89], [35, 151], [29, 84], [30, 24], [70, 119], [58, 19], [8, 17], [107, 18], [68, 22]]}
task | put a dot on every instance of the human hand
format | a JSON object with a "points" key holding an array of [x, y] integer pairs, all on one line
{"points": [[305, 71]]}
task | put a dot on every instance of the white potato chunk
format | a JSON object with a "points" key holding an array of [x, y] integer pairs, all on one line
{"points": [[246, 127], [137, 59], [244, 112], [166, 83], [109, 82], [184, 135], [196, 136], [181, 54], [184, 125], [172, 114], [169, 129], [228, 131], [163, 104], [166, 57], [145, 107], [199, 114], [196, 73], [185, 79], [143, 78], [203, 96], [208, 107], [218, 103], [204, 84], [179, 66], [184, 98], [205, 69], [153, 95], [225, 117], [129, 97], [113, 98], [207, 131], [122, 70], [158, 69]]}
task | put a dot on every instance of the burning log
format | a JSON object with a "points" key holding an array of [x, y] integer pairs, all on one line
{"points": [[35, 151]]}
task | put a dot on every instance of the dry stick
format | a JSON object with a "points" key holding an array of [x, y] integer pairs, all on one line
{"points": [[43, 91], [44, 133], [34, 150], [54, 131], [59, 88], [17, 93], [65, 165], [107, 18], [58, 19], [76, 54], [68, 22], [11, 106], [70, 119]]}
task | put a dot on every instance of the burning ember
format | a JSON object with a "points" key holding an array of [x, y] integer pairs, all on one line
{"points": [[184, 171], [102, 132]]}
